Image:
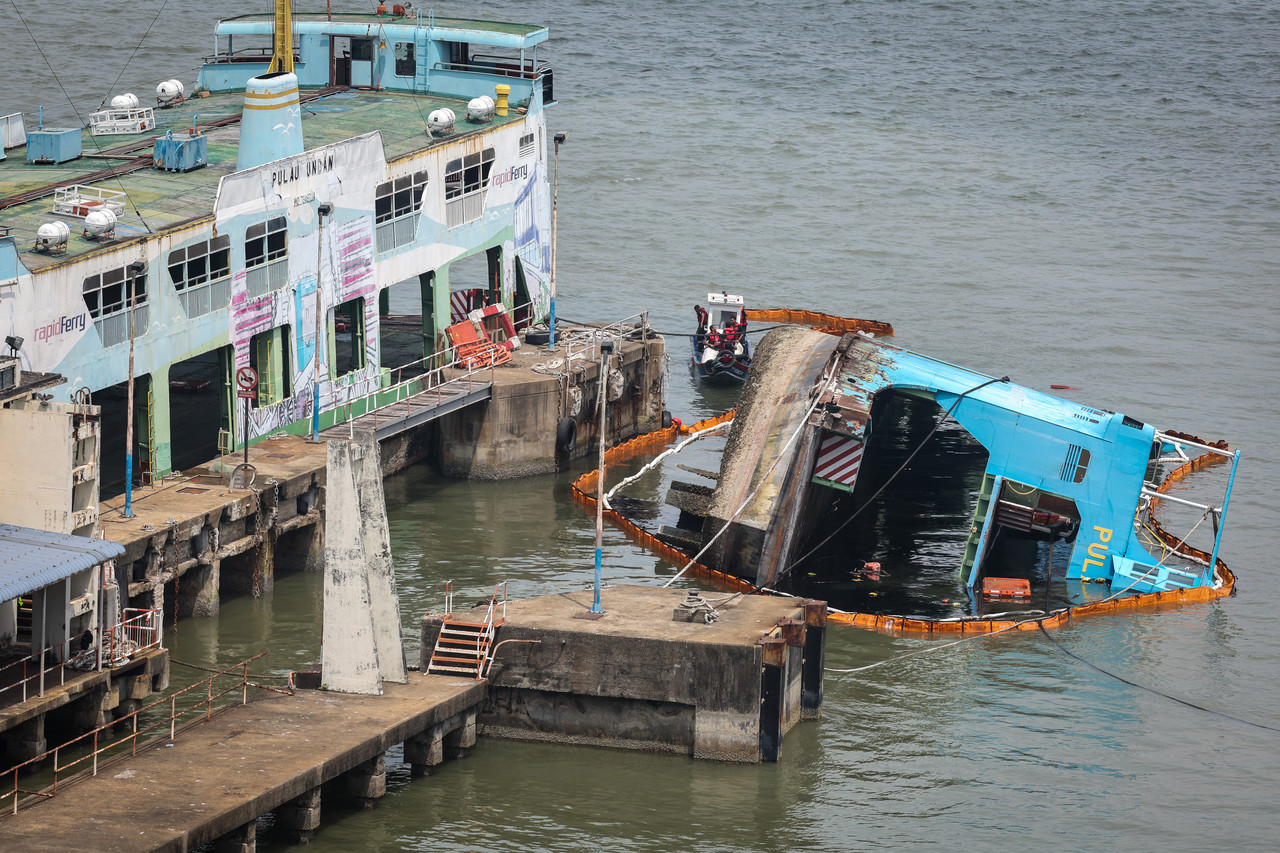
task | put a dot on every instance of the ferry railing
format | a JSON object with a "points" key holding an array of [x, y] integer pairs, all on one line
{"points": [[502, 66], [407, 390], [97, 741]]}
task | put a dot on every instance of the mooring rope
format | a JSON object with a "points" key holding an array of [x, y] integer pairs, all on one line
{"points": [[224, 671]]}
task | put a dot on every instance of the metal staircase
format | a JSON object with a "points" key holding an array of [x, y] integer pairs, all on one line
{"points": [[465, 645]]}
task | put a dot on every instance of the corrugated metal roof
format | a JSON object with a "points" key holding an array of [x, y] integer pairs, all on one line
{"points": [[31, 558]]}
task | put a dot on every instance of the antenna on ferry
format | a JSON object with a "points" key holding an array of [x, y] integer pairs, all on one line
{"points": [[282, 42]]}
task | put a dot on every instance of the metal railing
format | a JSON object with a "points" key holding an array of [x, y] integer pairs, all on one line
{"points": [[97, 742], [503, 66], [432, 379], [583, 342], [34, 667], [134, 634]]}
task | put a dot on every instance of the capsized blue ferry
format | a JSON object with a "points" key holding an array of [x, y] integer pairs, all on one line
{"points": [[259, 217]]}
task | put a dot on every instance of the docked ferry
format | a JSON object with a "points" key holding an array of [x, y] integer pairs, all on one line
{"points": [[259, 218]]}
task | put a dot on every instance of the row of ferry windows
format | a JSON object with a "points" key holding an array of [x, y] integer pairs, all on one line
{"points": [[208, 262]]}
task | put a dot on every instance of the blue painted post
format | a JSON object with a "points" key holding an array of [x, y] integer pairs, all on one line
{"points": [[322, 210]]}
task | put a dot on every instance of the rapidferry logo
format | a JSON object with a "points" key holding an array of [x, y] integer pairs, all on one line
{"points": [[62, 324], [515, 173]]}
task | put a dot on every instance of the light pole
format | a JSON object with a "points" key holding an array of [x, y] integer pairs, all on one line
{"points": [[555, 194], [135, 269], [606, 351], [325, 209]]}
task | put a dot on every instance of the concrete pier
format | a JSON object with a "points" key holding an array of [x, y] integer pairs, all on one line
{"points": [[273, 754], [642, 677], [192, 537]]}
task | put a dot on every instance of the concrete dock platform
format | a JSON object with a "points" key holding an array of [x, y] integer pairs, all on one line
{"points": [[651, 674], [273, 753]]}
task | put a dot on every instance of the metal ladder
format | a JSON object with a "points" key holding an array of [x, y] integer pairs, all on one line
{"points": [[465, 646]]}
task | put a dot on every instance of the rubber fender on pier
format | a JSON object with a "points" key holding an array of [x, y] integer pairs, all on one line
{"points": [[566, 435]]}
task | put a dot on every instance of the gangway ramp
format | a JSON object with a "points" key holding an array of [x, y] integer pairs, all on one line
{"points": [[412, 402]]}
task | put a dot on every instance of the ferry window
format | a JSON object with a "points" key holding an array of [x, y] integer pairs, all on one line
{"points": [[396, 204], [1082, 465], [466, 181], [406, 60], [265, 249], [201, 275], [361, 50], [265, 241], [106, 295], [526, 145]]}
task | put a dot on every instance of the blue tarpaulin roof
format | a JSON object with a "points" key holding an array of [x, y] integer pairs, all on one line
{"points": [[31, 558]]}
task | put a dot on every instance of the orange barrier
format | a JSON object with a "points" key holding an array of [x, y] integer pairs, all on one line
{"points": [[829, 323], [584, 490], [584, 493]]}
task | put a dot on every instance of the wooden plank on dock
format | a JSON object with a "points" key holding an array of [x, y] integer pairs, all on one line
{"points": [[222, 774]]}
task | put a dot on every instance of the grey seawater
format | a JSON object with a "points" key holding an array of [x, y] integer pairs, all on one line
{"points": [[1082, 193]]}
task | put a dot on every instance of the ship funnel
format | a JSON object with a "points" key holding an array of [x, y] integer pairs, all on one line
{"points": [[271, 125]]}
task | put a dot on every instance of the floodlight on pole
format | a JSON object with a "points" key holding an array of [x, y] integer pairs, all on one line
{"points": [[559, 139]]}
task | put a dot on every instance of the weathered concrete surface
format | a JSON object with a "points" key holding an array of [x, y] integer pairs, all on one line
{"points": [[784, 368], [349, 660], [196, 531], [514, 433], [634, 678], [384, 604], [221, 775]]}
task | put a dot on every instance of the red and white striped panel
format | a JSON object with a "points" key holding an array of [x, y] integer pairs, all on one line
{"points": [[459, 305], [838, 459]]}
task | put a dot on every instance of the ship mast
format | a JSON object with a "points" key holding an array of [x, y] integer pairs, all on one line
{"points": [[282, 57]]}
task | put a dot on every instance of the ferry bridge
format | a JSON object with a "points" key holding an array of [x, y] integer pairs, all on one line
{"points": [[428, 394]]}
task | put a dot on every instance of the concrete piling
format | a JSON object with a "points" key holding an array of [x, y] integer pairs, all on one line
{"points": [[367, 781], [242, 839], [301, 815]]}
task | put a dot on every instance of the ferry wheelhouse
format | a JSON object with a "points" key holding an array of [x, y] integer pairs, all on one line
{"points": [[262, 217]]}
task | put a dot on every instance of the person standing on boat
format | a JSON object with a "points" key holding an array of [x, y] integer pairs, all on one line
{"points": [[700, 337]]}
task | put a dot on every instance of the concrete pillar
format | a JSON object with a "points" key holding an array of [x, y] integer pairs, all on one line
{"points": [[264, 571], [367, 781], [349, 656], [90, 711], [458, 741], [242, 839], [198, 590], [301, 815], [26, 740], [301, 550], [384, 604], [424, 751]]}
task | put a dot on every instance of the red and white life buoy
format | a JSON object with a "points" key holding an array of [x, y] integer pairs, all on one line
{"points": [[512, 342]]}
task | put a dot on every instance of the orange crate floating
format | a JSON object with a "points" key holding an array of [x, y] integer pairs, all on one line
{"points": [[1006, 588]]}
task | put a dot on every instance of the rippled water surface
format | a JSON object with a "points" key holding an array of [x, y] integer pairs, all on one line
{"points": [[1082, 193]]}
